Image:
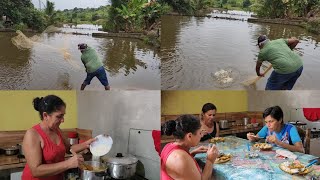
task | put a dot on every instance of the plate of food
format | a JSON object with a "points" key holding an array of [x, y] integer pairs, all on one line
{"points": [[263, 146], [222, 158], [217, 139], [295, 167]]}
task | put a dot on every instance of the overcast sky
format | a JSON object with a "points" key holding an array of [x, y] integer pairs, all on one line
{"points": [[70, 4]]}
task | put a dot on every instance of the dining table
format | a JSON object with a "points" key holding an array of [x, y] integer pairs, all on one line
{"points": [[265, 166]]}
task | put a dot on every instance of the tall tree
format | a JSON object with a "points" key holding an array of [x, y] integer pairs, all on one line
{"points": [[22, 11], [50, 12], [49, 8]]}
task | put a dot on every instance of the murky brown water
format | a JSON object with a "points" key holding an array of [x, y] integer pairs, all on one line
{"points": [[194, 48], [130, 63]]}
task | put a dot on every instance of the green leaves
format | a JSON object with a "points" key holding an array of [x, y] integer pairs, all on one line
{"points": [[284, 8], [22, 13]]}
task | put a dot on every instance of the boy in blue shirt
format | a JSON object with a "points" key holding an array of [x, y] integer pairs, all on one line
{"points": [[277, 132]]}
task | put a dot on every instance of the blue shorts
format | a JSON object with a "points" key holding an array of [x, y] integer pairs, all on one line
{"points": [[100, 74], [279, 81]]}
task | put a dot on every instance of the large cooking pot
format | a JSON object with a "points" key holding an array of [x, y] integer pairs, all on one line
{"points": [[121, 167], [12, 150], [224, 124], [98, 173], [299, 124]]}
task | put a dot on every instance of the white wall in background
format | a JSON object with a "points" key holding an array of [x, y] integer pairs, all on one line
{"points": [[296, 114], [115, 112], [288, 101]]}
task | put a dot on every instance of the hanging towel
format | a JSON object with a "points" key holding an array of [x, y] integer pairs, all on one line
{"points": [[311, 114], [156, 135]]}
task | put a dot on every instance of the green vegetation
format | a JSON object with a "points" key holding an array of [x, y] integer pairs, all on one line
{"points": [[134, 15], [284, 8], [192, 7], [313, 25], [122, 15], [23, 14], [303, 9], [82, 16]]}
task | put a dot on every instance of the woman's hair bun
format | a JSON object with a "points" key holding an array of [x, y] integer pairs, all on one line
{"points": [[36, 103], [168, 128]]}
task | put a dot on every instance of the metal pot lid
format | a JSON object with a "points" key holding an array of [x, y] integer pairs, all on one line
{"points": [[300, 123], [315, 130], [121, 159], [11, 148], [297, 123]]}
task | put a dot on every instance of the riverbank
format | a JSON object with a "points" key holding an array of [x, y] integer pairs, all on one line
{"points": [[7, 30], [149, 37], [152, 36], [312, 24], [294, 22], [13, 30], [209, 16]]}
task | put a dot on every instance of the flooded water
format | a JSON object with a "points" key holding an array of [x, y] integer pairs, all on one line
{"points": [[193, 49], [130, 64]]}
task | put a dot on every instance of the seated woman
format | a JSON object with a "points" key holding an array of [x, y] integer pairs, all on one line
{"points": [[176, 161], [208, 122], [277, 132]]}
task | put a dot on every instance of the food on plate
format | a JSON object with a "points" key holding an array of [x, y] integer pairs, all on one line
{"points": [[223, 158], [294, 167], [88, 167], [217, 139], [263, 146]]}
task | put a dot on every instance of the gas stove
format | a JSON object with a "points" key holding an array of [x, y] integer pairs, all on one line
{"points": [[74, 174], [135, 177], [315, 133]]}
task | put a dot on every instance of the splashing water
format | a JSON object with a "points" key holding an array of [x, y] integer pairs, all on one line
{"points": [[23, 42]]}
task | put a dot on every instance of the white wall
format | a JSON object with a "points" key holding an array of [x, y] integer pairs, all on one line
{"points": [[289, 101], [115, 112]]}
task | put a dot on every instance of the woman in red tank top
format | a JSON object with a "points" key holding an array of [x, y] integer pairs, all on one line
{"points": [[176, 161], [44, 146]]}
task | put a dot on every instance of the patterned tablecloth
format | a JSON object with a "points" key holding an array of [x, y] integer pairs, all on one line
{"points": [[265, 166]]}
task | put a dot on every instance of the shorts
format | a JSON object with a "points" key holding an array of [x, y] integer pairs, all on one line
{"points": [[279, 81], [100, 74]]}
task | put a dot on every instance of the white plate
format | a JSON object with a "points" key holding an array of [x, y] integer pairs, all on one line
{"points": [[286, 153], [101, 146]]}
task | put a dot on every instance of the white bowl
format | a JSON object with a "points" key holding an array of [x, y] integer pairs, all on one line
{"points": [[101, 146]]}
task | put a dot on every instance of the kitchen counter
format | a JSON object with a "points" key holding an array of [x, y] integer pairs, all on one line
{"points": [[223, 132], [11, 162], [238, 129]]}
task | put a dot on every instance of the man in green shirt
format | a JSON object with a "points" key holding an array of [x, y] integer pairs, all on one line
{"points": [[286, 63], [94, 66]]}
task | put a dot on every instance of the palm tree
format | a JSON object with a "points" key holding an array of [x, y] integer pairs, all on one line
{"points": [[49, 8], [50, 12]]}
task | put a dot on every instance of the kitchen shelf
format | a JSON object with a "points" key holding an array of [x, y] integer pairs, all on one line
{"points": [[223, 132]]}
